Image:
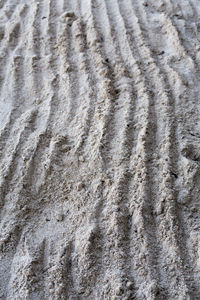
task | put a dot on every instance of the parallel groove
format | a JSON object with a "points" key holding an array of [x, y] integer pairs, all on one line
{"points": [[49, 57], [89, 67], [87, 78], [73, 67], [176, 28], [123, 178], [8, 58], [146, 173], [170, 75], [171, 212], [115, 257], [173, 160], [99, 149], [122, 157]]}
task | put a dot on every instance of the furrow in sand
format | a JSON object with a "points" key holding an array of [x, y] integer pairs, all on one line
{"points": [[68, 18], [41, 90], [179, 24], [16, 142], [48, 100], [29, 97], [27, 199], [184, 23], [105, 114], [13, 193], [96, 232], [103, 89], [91, 243], [89, 92], [87, 77], [17, 79], [124, 136], [64, 48], [27, 271], [165, 141], [117, 219], [172, 78], [59, 277], [63, 92], [124, 104], [170, 75], [10, 165], [9, 57], [117, 205], [17, 154], [4, 45], [132, 174], [183, 233], [143, 147], [99, 150], [40, 144], [148, 211], [8, 247], [106, 75], [52, 60], [33, 82]]}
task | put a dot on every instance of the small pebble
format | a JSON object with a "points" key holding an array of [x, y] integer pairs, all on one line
{"points": [[129, 285], [69, 14], [80, 186], [81, 158], [118, 290], [59, 217], [37, 101]]}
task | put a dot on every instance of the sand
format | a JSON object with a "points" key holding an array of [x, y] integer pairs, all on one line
{"points": [[99, 149]]}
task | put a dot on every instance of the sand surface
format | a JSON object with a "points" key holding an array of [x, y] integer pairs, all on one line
{"points": [[99, 149]]}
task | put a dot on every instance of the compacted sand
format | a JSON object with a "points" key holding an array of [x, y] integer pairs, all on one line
{"points": [[99, 149]]}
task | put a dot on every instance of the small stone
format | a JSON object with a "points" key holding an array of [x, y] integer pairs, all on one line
{"points": [[159, 209], [129, 285], [108, 182], [69, 14], [80, 186], [194, 209], [59, 217], [118, 290], [65, 148], [81, 158], [37, 101]]}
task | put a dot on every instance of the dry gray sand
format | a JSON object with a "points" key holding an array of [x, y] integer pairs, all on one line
{"points": [[99, 149]]}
